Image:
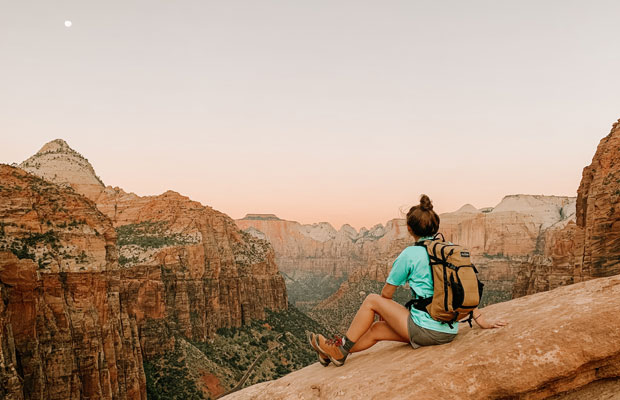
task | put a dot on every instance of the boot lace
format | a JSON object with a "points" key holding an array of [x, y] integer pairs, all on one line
{"points": [[336, 341]]}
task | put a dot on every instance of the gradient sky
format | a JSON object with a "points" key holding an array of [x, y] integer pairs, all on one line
{"points": [[339, 111]]}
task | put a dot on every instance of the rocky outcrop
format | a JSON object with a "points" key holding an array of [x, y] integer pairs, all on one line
{"points": [[190, 264], [94, 279], [512, 228], [64, 331], [316, 249], [589, 248], [57, 162], [565, 342], [181, 261]]}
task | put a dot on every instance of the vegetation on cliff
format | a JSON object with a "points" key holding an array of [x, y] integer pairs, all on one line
{"points": [[197, 370]]}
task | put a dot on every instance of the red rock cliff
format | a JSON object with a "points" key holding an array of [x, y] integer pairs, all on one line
{"points": [[590, 247], [189, 265], [93, 284], [64, 331]]}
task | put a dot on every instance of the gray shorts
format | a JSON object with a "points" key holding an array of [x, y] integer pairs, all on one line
{"points": [[419, 336]]}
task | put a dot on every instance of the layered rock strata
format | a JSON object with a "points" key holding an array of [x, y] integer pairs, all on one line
{"points": [[64, 331], [590, 247], [57, 162], [94, 279], [190, 265], [503, 240], [564, 342]]}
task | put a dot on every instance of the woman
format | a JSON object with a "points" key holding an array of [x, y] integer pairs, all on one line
{"points": [[396, 322]]}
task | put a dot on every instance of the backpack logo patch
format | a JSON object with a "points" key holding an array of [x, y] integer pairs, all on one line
{"points": [[464, 253]]}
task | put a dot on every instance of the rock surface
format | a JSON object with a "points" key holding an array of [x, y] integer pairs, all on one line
{"points": [[556, 343]]}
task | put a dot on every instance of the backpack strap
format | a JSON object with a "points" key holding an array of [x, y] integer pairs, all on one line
{"points": [[468, 320]]}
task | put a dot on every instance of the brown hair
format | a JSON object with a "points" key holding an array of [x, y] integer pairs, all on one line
{"points": [[422, 220]]}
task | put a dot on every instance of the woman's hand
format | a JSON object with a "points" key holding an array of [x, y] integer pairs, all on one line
{"points": [[484, 324]]}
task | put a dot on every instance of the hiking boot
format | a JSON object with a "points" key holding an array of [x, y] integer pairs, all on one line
{"points": [[323, 359], [332, 348]]}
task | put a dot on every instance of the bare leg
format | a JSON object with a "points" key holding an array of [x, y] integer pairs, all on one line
{"points": [[395, 315], [377, 332]]}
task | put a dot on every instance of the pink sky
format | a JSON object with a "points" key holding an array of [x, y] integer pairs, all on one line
{"points": [[321, 111]]}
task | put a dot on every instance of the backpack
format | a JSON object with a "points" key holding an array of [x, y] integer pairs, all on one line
{"points": [[456, 288]]}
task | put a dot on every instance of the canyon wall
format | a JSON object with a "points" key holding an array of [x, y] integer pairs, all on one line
{"points": [[65, 333], [190, 264], [503, 241], [95, 281], [589, 247]]}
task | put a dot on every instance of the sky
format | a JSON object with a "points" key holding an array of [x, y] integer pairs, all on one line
{"points": [[338, 111]]}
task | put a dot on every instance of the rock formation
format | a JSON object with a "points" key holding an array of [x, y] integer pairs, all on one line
{"points": [[190, 264], [57, 162], [316, 249], [503, 240], [94, 279], [64, 332], [590, 247], [564, 342]]}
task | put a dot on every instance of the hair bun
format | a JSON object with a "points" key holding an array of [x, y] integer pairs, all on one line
{"points": [[425, 203]]}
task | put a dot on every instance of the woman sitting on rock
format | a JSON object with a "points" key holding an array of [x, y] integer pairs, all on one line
{"points": [[397, 323]]}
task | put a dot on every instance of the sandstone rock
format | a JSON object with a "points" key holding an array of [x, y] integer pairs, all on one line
{"points": [[203, 274], [597, 198], [81, 312], [556, 342], [195, 272], [58, 163], [64, 331], [57, 228], [591, 247]]}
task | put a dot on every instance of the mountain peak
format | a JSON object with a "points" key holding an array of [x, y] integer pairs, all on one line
{"points": [[58, 163], [55, 145]]}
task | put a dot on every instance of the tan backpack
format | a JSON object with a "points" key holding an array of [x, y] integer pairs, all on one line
{"points": [[456, 288]]}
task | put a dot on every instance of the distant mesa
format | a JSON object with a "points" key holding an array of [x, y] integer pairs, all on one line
{"points": [[261, 217], [468, 208]]}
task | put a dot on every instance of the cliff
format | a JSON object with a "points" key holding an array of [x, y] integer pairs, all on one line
{"points": [[190, 265], [64, 331], [97, 281], [316, 249], [565, 342], [590, 247]]}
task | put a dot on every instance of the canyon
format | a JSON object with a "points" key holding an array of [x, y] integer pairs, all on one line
{"points": [[502, 239], [107, 294], [562, 341], [96, 282], [524, 245]]}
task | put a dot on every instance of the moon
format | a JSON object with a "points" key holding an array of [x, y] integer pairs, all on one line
{"points": [[68, 24]]}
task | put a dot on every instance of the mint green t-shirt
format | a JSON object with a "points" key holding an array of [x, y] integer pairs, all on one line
{"points": [[412, 266]]}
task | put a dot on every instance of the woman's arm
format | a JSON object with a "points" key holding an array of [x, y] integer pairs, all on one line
{"points": [[388, 291], [484, 324]]}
